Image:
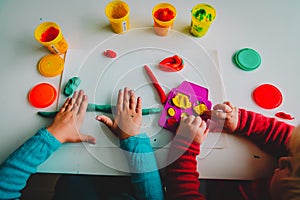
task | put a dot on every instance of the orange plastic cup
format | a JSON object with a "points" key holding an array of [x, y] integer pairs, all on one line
{"points": [[117, 13], [49, 34], [162, 26]]}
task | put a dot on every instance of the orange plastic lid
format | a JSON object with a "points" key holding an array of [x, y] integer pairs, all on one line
{"points": [[42, 95], [51, 65], [267, 96]]}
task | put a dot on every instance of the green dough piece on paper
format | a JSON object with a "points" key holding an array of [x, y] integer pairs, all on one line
{"points": [[71, 86]]}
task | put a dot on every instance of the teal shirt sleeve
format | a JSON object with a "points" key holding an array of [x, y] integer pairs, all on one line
{"points": [[17, 168], [145, 176]]}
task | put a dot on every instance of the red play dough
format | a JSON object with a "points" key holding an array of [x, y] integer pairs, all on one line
{"points": [[50, 34], [284, 115], [110, 53], [172, 122], [171, 64], [267, 96], [164, 14]]}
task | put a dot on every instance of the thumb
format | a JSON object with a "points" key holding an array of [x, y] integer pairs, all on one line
{"points": [[105, 120], [87, 138]]}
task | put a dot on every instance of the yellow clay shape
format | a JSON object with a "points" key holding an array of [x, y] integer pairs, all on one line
{"points": [[199, 109], [181, 101], [171, 112]]}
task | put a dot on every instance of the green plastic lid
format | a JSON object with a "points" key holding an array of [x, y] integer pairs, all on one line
{"points": [[247, 59]]}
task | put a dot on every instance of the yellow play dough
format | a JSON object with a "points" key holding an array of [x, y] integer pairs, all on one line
{"points": [[181, 101], [199, 109], [171, 112]]}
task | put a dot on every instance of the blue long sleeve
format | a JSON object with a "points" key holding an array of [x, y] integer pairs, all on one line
{"points": [[15, 171], [143, 167]]}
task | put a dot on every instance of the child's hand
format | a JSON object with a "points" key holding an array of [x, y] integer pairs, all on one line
{"points": [[192, 128], [224, 117], [128, 117], [67, 123]]}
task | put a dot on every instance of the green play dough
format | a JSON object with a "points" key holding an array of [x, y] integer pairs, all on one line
{"points": [[71, 86]]}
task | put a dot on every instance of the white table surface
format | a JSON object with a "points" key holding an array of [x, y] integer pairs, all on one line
{"points": [[269, 27]]}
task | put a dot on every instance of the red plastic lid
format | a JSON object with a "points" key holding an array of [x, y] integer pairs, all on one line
{"points": [[267, 96], [42, 95]]}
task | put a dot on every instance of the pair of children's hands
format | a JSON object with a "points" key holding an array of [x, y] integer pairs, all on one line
{"points": [[67, 123], [223, 118], [128, 118]]}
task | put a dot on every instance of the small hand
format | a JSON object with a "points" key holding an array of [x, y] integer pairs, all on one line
{"points": [[192, 128], [128, 118], [223, 117], [67, 123]]}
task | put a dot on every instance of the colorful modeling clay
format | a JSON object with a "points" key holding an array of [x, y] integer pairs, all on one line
{"points": [[181, 101], [283, 115], [164, 14], [162, 95], [202, 15], [71, 86], [187, 99], [172, 123], [171, 64], [50, 34], [101, 108], [110, 53], [119, 11], [171, 112], [199, 109]]}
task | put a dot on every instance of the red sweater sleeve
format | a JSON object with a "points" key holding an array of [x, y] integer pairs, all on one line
{"points": [[182, 175], [268, 133]]}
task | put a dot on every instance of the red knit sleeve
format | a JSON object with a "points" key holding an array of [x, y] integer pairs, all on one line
{"points": [[182, 175], [268, 133]]}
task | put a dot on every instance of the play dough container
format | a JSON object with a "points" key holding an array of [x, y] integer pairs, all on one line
{"points": [[51, 65], [202, 17], [247, 59], [163, 15], [117, 13], [42, 95], [49, 34]]}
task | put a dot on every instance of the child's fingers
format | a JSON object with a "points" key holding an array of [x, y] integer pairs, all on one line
{"points": [[126, 98], [139, 106], [132, 101], [202, 126], [70, 105], [197, 121], [229, 104], [120, 100], [83, 106], [216, 115], [63, 108], [87, 138], [183, 119], [223, 107], [105, 120], [78, 102], [190, 119]]}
